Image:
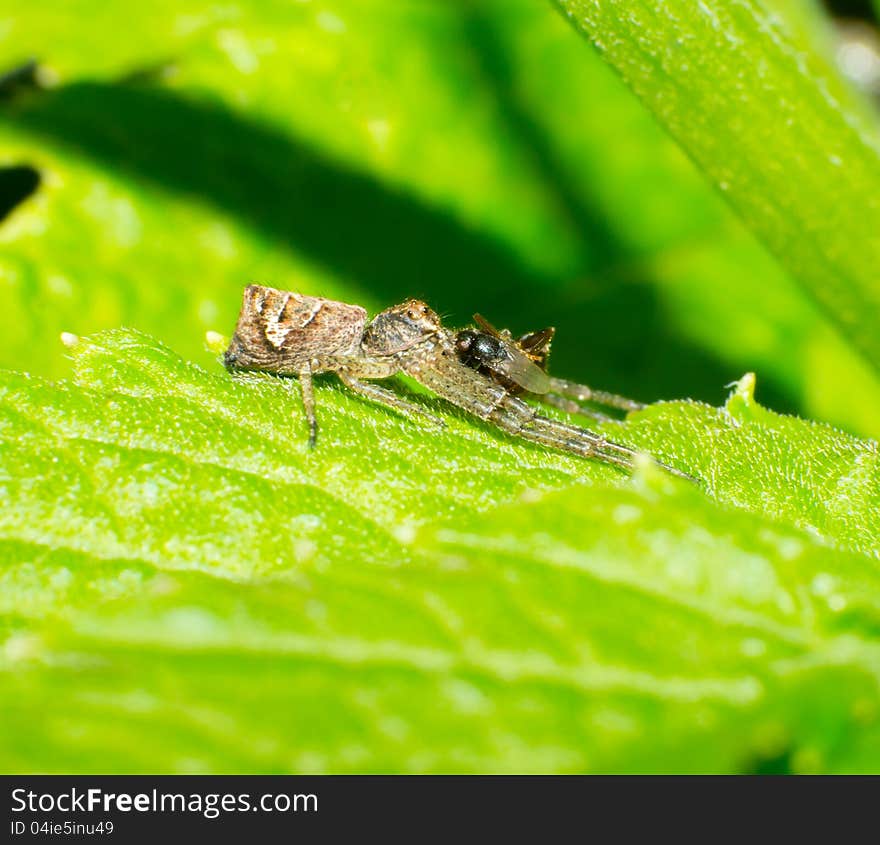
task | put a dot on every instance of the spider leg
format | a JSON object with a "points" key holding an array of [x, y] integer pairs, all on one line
{"points": [[581, 392], [305, 384], [383, 396], [515, 417], [572, 407], [308, 400], [488, 400]]}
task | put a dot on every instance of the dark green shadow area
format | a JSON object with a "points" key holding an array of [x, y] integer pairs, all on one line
{"points": [[17, 183], [778, 764], [863, 9], [497, 73], [393, 243]]}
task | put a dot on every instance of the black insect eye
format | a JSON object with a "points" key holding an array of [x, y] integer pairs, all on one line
{"points": [[464, 341]]}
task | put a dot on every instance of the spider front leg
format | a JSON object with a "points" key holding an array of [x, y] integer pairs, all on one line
{"points": [[569, 406], [488, 400], [583, 393], [515, 417]]}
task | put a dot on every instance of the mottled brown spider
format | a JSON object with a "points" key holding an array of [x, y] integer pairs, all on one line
{"points": [[292, 334]]}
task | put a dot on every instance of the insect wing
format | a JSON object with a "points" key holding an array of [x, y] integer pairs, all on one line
{"points": [[520, 356], [486, 326], [519, 368]]}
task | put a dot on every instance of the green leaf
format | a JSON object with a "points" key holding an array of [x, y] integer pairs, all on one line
{"points": [[771, 124], [187, 587]]}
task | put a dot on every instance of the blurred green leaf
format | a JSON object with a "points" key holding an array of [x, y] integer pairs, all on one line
{"points": [[474, 154], [186, 587], [766, 118]]}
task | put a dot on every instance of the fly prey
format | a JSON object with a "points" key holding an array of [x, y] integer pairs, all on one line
{"points": [[520, 365], [293, 334]]}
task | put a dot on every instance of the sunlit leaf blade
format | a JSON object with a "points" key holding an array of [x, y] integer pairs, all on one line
{"points": [[766, 118], [186, 587]]}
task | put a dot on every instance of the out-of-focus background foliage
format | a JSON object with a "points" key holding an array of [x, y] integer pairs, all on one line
{"points": [[184, 587], [477, 154]]}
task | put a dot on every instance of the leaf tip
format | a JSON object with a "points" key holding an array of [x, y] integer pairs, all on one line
{"points": [[742, 397]]}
